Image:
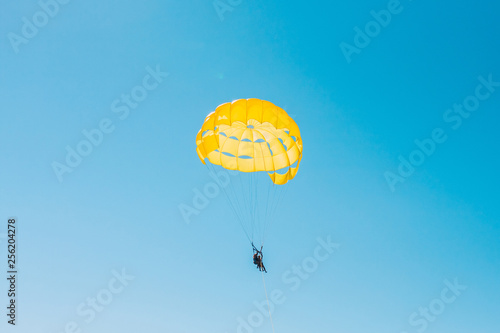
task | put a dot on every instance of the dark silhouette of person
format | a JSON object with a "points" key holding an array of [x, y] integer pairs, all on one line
{"points": [[257, 259]]}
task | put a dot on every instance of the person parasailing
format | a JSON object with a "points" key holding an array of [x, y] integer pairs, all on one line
{"points": [[261, 146], [257, 259]]}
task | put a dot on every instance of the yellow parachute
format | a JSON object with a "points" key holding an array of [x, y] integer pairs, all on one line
{"points": [[251, 135]]}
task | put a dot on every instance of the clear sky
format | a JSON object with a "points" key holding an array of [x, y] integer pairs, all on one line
{"points": [[418, 249]]}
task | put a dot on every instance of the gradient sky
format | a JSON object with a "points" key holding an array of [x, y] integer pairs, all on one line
{"points": [[119, 208]]}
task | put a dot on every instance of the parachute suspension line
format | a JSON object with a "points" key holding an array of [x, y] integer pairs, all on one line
{"points": [[266, 215], [211, 168], [253, 198], [271, 200], [231, 190], [273, 188], [236, 196], [236, 212], [260, 199], [255, 209], [252, 204], [263, 218], [245, 194], [281, 193], [268, 199], [246, 197], [267, 299]]}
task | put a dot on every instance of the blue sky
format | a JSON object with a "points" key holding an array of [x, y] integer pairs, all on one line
{"points": [[400, 247]]}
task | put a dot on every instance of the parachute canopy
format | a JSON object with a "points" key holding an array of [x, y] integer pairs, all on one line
{"points": [[251, 135]]}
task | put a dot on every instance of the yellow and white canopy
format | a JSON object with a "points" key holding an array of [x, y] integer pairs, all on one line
{"points": [[251, 135]]}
